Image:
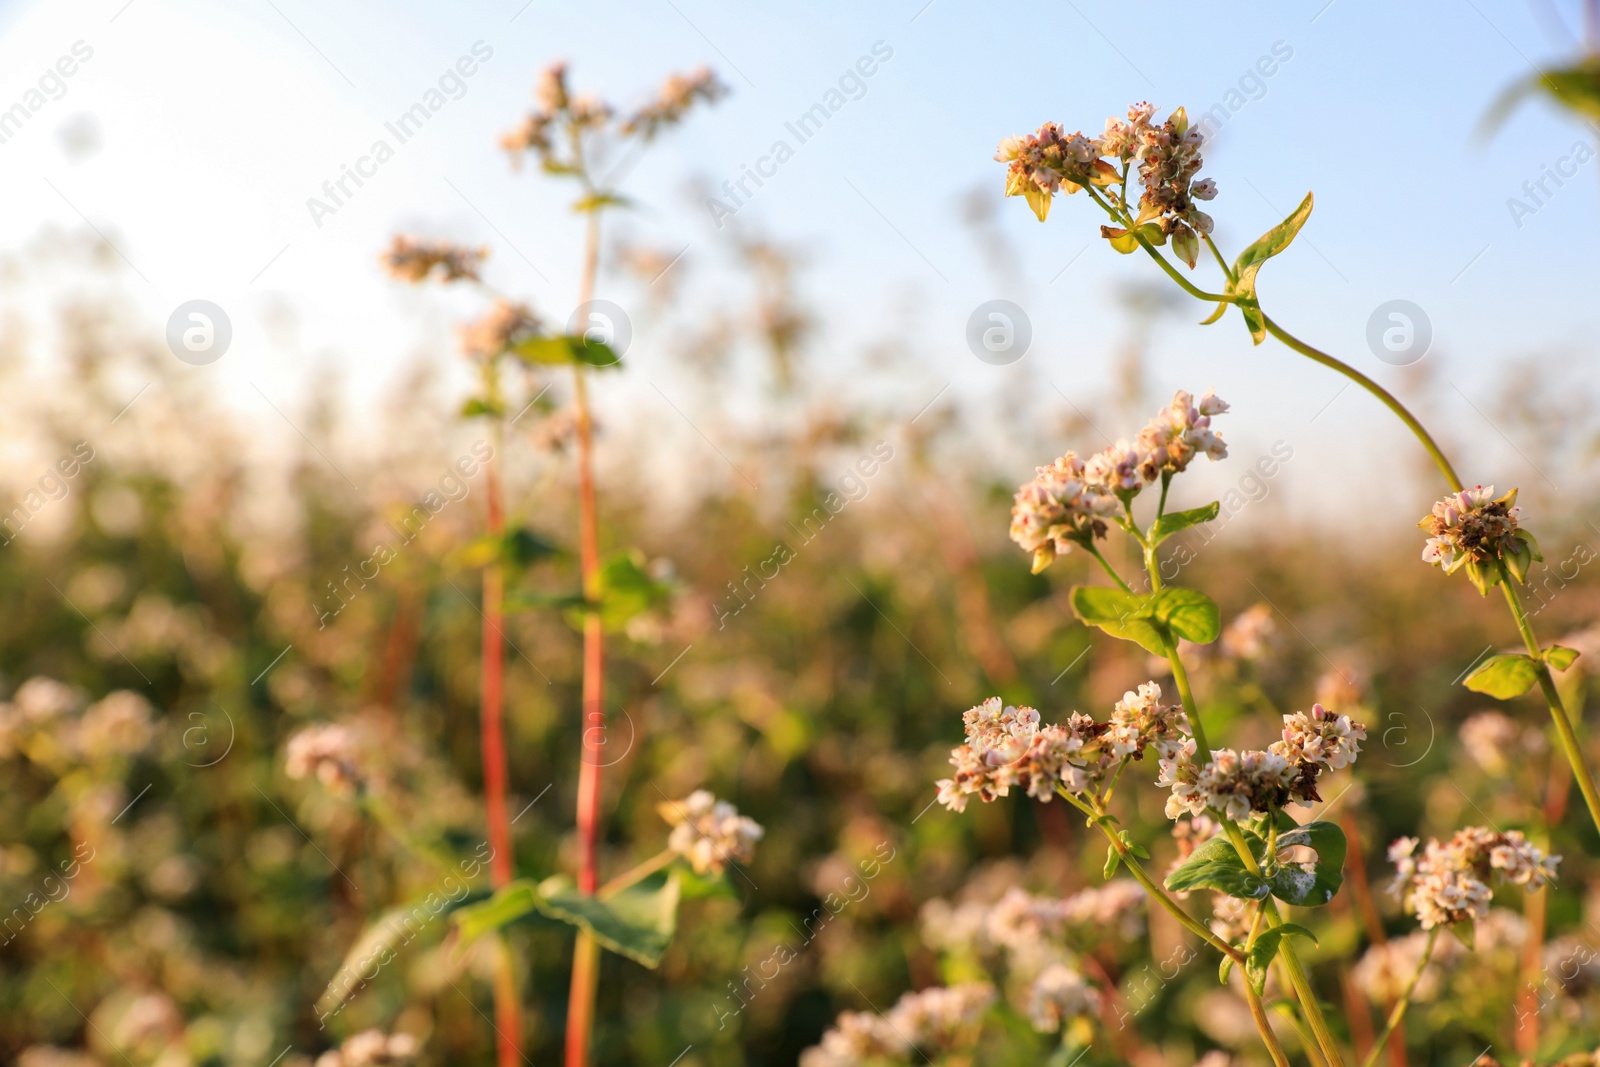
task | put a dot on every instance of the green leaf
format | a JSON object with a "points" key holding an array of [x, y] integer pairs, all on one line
{"points": [[1113, 861], [1507, 675], [1188, 613], [1266, 246], [477, 408], [1293, 884], [566, 349], [1215, 865], [1222, 309], [515, 549], [1123, 615], [511, 902], [1265, 950], [1250, 260], [597, 201], [378, 943], [638, 922], [1223, 968], [1560, 657], [1173, 521], [693, 885]]}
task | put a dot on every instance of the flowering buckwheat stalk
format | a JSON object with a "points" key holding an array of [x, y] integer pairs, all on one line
{"points": [[1007, 748], [327, 751], [1168, 162], [1239, 783], [1474, 527], [1067, 502], [412, 260], [708, 832], [1449, 882]]}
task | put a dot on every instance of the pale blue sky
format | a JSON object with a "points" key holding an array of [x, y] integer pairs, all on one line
{"points": [[218, 120]]}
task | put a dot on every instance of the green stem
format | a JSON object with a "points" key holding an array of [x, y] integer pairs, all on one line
{"points": [[1115, 577], [1286, 952], [1189, 922], [1180, 678], [1387, 398], [1399, 1011], [637, 874], [1558, 713]]}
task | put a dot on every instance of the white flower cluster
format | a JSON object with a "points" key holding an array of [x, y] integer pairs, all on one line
{"points": [[1057, 509], [1472, 524], [1449, 882], [1168, 157], [1385, 970], [411, 260], [1238, 783], [47, 721], [1250, 634], [371, 1048], [708, 832], [934, 1021], [1035, 927], [1494, 741], [540, 132], [328, 752], [1066, 503], [1057, 996], [1007, 748]]}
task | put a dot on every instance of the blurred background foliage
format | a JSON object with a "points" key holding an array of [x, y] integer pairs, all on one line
{"points": [[213, 898]]}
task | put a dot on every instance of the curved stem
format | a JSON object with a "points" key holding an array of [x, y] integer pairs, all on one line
{"points": [[1180, 678], [1387, 398], [1264, 1025], [1558, 713], [1399, 1011]]}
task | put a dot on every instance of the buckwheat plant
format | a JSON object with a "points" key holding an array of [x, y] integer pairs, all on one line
{"points": [[582, 139], [1470, 530], [1256, 857]]}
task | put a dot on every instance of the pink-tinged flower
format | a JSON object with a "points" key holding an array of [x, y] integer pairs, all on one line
{"points": [[1057, 509], [411, 260], [1475, 526], [1320, 736], [327, 751], [1449, 882]]}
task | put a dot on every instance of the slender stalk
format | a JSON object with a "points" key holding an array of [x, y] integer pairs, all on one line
{"points": [[1558, 713], [1388, 399], [1399, 1011], [1188, 922], [1291, 959], [1180, 678], [507, 1005], [1115, 577], [637, 874], [586, 956]]}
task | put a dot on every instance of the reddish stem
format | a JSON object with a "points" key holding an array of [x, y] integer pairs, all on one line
{"points": [[507, 1012]]}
